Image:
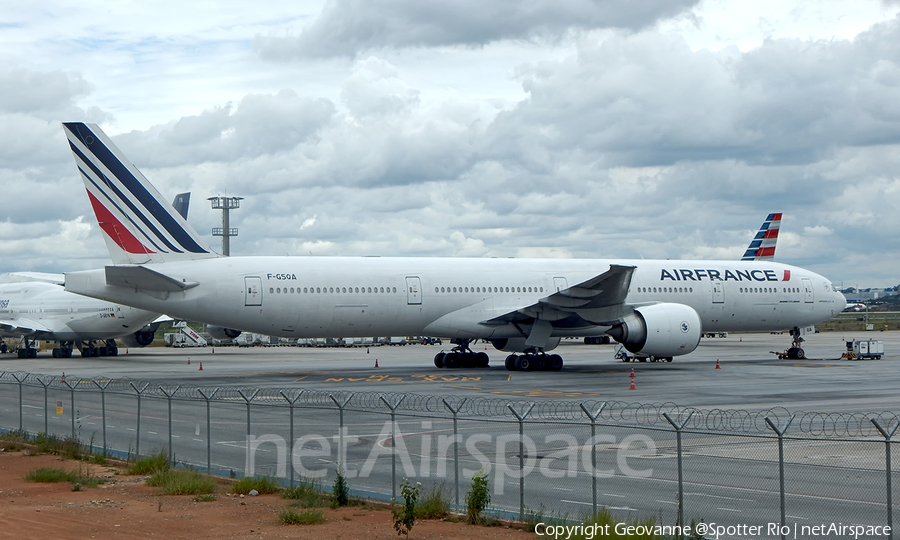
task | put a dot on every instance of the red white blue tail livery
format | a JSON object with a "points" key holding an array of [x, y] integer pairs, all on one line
{"points": [[762, 248], [139, 225]]}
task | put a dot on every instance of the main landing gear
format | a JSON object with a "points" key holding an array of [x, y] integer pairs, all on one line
{"points": [[461, 356], [64, 350], [26, 349], [534, 361], [90, 350]]}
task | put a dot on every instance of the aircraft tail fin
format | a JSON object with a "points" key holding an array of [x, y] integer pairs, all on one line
{"points": [[762, 247], [139, 225]]}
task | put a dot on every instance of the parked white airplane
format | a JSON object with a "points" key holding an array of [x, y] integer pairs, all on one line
{"points": [[35, 306], [656, 308]]}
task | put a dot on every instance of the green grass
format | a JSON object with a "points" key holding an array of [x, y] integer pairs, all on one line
{"points": [[151, 464], [309, 517], [206, 497], [180, 482], [434, 504], [262, 485], [306, 495], [51, 475]]}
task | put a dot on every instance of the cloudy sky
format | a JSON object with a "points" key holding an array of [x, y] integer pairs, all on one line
{"points": [[506, 128]]}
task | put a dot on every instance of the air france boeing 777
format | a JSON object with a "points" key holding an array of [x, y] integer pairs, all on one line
{"points": [[655, 308]]}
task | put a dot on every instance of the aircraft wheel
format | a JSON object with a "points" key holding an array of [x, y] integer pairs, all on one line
{"points": [[554, 362], [3, 348], [540, 362], [482, 360], [439, 360], [669, 359], [511, 362], [801, 354], [32, 353], [451, 360], [113, 351], [641, 359], [56, 352], [524, 363], [467, 360], [21, 353]]}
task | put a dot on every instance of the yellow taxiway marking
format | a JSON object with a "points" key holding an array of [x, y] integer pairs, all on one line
{"points": [[301, 378], [466, 387]]}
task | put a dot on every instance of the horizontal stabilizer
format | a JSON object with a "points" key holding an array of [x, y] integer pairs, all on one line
{"points": [[141, 277]]}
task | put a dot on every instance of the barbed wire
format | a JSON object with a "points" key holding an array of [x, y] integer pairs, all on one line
{"points": [[609, 413]]}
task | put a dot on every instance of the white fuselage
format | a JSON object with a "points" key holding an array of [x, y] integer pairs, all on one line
{"points": [[52, 313], [449, 297]]}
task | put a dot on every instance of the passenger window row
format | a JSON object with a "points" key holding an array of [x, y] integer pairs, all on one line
{"points": [[332, 290], [487, 289]]}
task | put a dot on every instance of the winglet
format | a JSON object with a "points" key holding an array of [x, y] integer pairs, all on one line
{"points": [[762, 247], [139, 225]]}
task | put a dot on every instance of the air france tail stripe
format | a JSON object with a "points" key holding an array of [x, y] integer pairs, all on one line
{"points": [[120, 196], [115, 230], [116, 206], [133, 185]]}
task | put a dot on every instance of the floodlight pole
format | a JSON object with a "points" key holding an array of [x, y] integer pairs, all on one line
{"points": [[225, 231]]}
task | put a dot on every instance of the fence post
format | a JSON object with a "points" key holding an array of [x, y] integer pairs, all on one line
{"points": [[780, 432], [393, 409], [137, 448], [21, 403], [887, 466], [169, 399], [455, 446], [291, 402], [72, 402], [208, 427], [521, 418], [45, 385], [341, 449], [593, 418], [678, 428], [103, 408]]}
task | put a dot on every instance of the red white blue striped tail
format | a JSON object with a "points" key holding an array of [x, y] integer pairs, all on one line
{"points": [[762, 248], [139, 225]]}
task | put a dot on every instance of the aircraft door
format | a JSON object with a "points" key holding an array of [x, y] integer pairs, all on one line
{"points": [[413, 291], [560, 284], [718, 292], [252, 291], [807, 290]]}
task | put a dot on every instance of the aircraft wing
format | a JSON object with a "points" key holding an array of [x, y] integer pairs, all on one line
{"points": [[23, 327], [596, 301], [19, 277]]}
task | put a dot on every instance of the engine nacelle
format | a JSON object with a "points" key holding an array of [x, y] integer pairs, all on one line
{"points": [[220, 332], [141, 338], [518, 344], [660, 330]]}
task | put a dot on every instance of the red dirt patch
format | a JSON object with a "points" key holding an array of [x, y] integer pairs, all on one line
{"points": [[126, 508]]}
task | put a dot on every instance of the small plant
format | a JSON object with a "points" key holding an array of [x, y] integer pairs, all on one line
{"points": [[263, 486], [405, 516], [206, 497], [477, 499], [340, 491], [180, 482], [435, 503], [76, 486], [48, 475], [309, 517], [151, 464], [305, 495]]}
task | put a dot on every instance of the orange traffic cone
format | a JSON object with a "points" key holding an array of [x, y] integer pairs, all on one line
{"points": [[632, 373], [126, 350], [64, 377], [201, 367], [189, 360], [741, 340], [717, 364], [214, 350], [376, 362], [632, 385]]}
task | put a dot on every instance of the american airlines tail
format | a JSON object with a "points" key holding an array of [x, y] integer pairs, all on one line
{"points": [[762, 248], [139, 225]]}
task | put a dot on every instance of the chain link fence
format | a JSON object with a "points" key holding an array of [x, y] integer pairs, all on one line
{"points": [[551, 458]]}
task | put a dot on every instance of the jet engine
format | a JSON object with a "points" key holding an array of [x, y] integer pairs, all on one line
{"points": [[220, 332], [518, 344], [660, 330], [141, 338]]}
